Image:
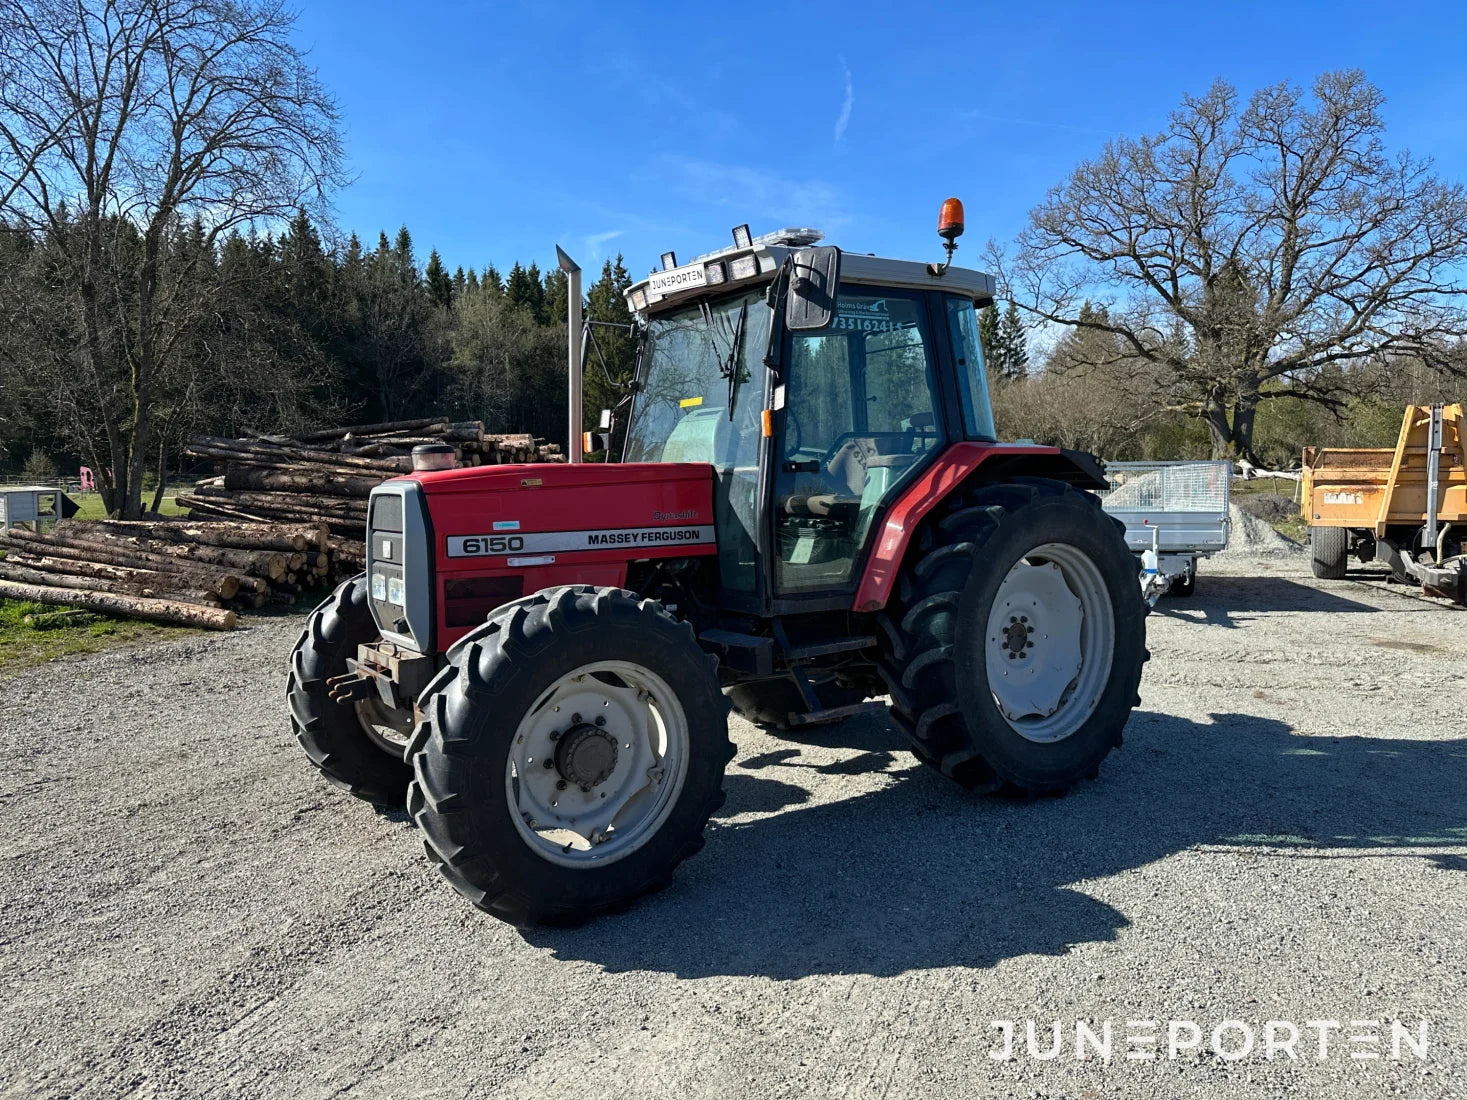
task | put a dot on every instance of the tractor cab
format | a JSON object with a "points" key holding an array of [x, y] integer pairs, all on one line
{"points": [[817, 385]]}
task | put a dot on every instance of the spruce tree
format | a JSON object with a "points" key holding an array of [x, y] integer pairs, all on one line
{"points": [[988, 336], [440, 286], [557, 296], [537, 293], [1014, 342], [517, 288]]}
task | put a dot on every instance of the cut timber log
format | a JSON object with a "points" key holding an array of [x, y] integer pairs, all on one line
{"points": [[23, 575], [128, 607], [287, 481], [75, 568], [270, 564], [223, 583], [373, 429], [238, 536], [214, 447]]}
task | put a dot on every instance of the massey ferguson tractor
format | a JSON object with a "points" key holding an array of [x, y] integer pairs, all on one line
{"points": [[811, 512]]}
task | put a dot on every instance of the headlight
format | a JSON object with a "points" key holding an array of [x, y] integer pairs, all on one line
{"points": [[395, 591], [379, 586]]}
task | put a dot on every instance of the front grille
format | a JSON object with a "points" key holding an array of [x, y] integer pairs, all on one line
{"points": [[467, 601]]}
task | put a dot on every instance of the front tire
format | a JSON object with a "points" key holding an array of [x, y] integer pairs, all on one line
{"points": [[358, 748], [570, 755], [1015, 645]]}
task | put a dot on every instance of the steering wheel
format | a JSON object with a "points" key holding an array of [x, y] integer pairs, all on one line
{"points": [[845, 437]]}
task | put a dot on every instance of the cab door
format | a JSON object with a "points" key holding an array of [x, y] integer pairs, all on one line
{"points": [[860, 417]]}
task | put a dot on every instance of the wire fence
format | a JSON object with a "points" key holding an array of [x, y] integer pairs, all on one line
{"points": [[1167, 486]]}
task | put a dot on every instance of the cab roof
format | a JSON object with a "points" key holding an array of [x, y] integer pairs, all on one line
{"points": [[754, 265]]}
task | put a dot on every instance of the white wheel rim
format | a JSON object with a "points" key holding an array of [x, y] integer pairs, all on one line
{"points": [[593, 805], [1048, 642]]}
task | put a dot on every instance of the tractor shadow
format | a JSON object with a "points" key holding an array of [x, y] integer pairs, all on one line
{"points": [[1230, 600], [918, 874]]}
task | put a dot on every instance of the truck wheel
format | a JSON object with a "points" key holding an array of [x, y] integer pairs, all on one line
{"points": [[769, 703], [1017, 638], [571, 755], [1329, 547], [358, 747]]}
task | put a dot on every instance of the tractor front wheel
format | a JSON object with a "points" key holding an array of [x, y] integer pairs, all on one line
{"points": [[1015, 645], [358, 747], [569, 756]]}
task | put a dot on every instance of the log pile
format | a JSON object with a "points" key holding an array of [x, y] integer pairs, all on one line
{"points": [[326, 476], [195, 574], [286, 515]]}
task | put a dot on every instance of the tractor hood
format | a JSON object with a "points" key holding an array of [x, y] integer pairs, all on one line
{"points": [[533, 476]]}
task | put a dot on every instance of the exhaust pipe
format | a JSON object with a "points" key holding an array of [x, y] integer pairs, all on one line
{"points": [[573, 357]]}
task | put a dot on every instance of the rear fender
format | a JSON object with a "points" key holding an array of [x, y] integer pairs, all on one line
{"points": [[986, 462]]}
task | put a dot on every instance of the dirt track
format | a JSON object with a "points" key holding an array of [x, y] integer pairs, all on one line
{"points": [[190, 910]]}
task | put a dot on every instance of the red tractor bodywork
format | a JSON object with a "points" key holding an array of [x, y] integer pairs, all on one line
{"points": [[938, 482], [500, 532]]}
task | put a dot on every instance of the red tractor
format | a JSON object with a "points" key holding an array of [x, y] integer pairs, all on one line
{"points": [[811, 511]]}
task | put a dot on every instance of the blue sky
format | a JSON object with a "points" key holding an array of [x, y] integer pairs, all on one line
{"points": [[495, 131]]}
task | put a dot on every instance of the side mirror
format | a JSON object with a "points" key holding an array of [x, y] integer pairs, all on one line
{"points": [[814, 282]]}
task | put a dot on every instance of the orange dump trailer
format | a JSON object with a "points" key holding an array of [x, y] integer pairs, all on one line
{"points": [[1405, 507]]}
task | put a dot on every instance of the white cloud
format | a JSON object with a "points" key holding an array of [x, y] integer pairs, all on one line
{"points": [[844, 118], [595, 241]]}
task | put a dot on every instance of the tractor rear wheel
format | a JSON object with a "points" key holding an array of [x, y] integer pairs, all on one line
{"points": [[1329, 549], [1013, 649], [569, 756], [359, 747], [770, 703]]}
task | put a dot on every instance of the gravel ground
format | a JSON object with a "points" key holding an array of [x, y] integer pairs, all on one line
{"points": [[190, 911]]}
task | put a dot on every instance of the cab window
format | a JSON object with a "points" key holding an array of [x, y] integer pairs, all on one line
{"points": [[860, 414]]}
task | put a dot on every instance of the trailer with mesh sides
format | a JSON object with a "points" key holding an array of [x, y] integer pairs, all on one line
{"points": [[1175, 513]]}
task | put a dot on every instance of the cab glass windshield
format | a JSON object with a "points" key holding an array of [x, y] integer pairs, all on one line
{"points": [[701, 398]]}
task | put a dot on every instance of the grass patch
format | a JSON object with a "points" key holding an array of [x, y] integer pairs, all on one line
{"points": [[23, 645], [90, 506]]}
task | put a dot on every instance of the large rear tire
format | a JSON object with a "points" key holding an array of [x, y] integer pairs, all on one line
{"points": [[1014, 647], [1329, 550], [570, 755], [358, 748]]}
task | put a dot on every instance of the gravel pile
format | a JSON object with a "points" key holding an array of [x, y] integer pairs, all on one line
{"points": [[1252, 537]]}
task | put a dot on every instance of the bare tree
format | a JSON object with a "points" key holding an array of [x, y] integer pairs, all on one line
{"points": [[1283, 239], [119, 121]]}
